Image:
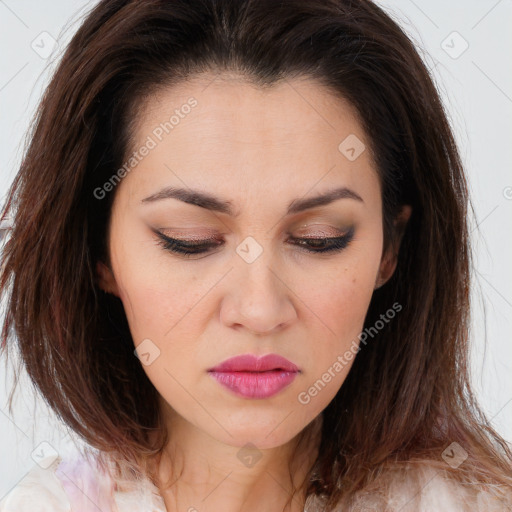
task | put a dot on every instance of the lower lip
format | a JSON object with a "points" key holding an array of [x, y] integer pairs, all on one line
{"points": [[255, 384]]}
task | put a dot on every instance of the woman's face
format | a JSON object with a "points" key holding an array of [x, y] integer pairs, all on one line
{"points": [[253, 159]]}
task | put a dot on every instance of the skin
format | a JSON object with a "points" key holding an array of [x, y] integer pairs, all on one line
{"points": [[259, 149]]}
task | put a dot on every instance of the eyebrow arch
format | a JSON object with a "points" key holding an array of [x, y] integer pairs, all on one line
{"points": [[210, 202]]}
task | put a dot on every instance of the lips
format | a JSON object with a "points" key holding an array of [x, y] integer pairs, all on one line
{"points": [[250, 363], [251, 377]]}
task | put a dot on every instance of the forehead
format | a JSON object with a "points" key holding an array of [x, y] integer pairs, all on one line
{"points": [[224, 131], [231, 107]]}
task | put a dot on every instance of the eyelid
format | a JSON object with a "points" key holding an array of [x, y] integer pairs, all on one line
{"points": [[321, 232], [187, 236]]}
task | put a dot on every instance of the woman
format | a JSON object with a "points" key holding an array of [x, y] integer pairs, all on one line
{"points": [[240, 267]]}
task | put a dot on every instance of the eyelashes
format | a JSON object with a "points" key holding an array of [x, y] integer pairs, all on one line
{"points": [[320, 245]]}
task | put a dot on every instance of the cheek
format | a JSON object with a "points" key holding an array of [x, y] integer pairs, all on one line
{"points": [[161, 322], [340, 298], [166, 312], [340, 304], [154, 293], [341, 294]]}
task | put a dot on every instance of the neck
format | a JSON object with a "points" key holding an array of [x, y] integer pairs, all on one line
{"points": [[196, 472]]}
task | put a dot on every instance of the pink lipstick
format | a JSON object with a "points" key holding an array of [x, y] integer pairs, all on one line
{"points": [[252, 377]]}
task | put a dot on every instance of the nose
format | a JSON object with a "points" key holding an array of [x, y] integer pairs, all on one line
{"points": [[258, 300]]}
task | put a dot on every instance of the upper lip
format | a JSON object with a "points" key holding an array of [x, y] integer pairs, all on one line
{"points": [[251, 363]]}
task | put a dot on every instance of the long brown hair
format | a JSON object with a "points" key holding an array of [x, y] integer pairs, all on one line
{"points": [[407, 395]]}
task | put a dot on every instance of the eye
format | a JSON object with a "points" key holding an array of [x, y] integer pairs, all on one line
{"points": [[184, 247], [325, 244], [312, 245]]}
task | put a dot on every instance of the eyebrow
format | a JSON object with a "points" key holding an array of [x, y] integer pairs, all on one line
{"points": [[212, 203]]}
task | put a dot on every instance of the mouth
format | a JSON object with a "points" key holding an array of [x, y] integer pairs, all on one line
{"points": [[248, 376]]}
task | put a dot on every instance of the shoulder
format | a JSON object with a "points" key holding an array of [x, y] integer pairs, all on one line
{"points": [[69, 483], [425, 487], [422, 487], [40, 489], [430, 487]]}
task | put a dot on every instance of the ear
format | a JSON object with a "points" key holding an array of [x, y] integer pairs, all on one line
{"points": [[390, 253], [106, 280]]}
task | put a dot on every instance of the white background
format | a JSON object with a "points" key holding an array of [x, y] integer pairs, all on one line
{"points": [[477, 90]]}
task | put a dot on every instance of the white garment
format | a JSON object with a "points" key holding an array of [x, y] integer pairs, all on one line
{"points": [[75, 484]]}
